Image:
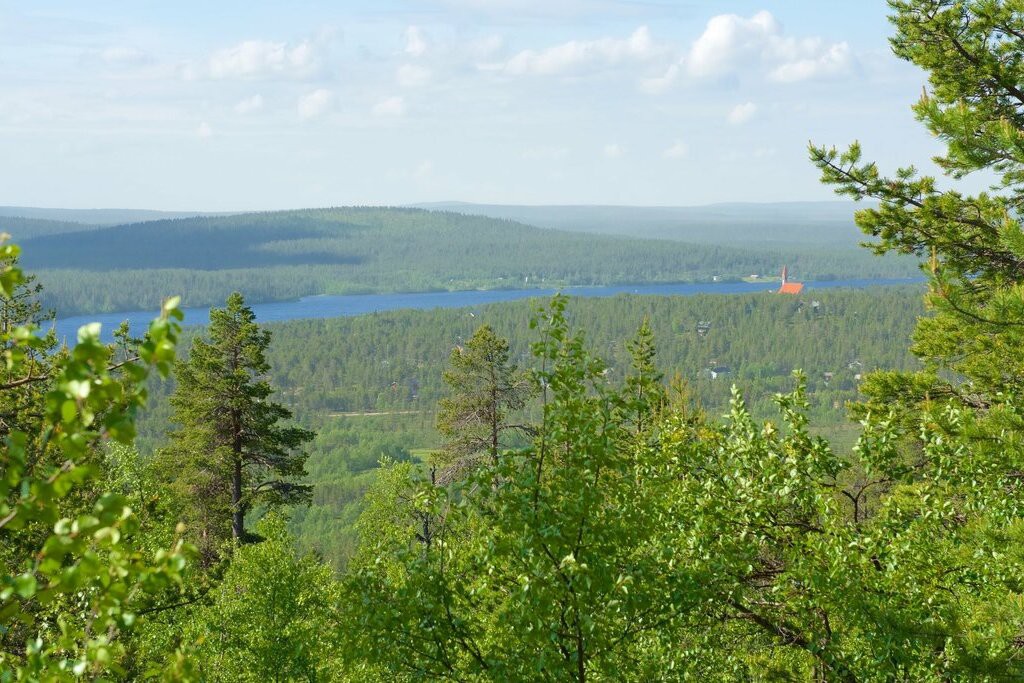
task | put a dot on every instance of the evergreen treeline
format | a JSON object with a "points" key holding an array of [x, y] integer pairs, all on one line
{"points": [[21, 228], [369, 385], [287, 254], [393, 360]]}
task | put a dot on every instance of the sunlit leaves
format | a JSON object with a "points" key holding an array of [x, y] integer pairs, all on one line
{"points": [[86, 559]]}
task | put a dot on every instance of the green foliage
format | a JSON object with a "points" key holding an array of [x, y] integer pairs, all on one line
{"points": [[368, 385], [272, 618], [555, 572], [946, 440], [695, 550], [71, 583], [972, 52], [645, 394]]}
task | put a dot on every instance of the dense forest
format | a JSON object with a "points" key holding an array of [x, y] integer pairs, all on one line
{"points": [[282, 255], [369, 385], [575, 496]]}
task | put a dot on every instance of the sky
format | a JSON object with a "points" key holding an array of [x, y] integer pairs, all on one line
{"points": [[251, 105]]}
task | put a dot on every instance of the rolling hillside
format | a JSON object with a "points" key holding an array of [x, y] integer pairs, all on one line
{"points": [[803, 224], [281, 255]]}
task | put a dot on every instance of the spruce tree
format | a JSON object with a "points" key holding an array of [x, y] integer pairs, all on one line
{"points": [[231, 451], [645, 396]]}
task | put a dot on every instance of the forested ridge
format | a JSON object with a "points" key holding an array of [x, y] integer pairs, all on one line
{"points": [[773, 224], [585, 503], [282, 255], [369, 385]]}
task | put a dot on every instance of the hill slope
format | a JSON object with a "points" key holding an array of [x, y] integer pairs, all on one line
{"points": [[21, 229], [784, 223], [287, 254]]}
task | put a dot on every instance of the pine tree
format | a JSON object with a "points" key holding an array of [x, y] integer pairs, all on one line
{"points": [[973, 52], [231, 453], [485, 388]]}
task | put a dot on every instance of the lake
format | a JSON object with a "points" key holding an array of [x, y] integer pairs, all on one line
{"points": [[332, 306]]}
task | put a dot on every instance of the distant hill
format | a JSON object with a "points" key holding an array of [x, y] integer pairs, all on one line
{"points": [[286, 254], [785, 223], [21, 229], [97, 216]]}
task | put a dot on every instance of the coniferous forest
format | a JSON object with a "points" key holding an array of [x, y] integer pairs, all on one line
{"points": [[764, 487], [284, 255]]}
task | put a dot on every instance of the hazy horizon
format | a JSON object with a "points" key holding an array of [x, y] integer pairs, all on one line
{"points": [[9, 209], [517, 102]]}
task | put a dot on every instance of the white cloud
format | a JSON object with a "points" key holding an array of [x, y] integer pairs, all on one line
{"points": [[204, 130], [677, 150], [315, 104], [392, 106], [577, 56], [742, 113], [249, 105], [413, 75], [660, 84], [614, 151], [733, 45], [820, 62], [732, 42], [415, 42], [261, 59], [729, 39]]}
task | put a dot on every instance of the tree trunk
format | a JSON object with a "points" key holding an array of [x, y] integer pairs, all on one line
{"points": [[237, 512], [495, 427]]}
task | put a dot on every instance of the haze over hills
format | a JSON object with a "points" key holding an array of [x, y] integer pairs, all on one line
{"points": [[803, 223], [96, 216], [286, 254], [769, 223]]}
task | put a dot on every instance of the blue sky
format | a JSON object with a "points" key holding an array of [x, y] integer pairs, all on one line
{"points": [[260, 105]]}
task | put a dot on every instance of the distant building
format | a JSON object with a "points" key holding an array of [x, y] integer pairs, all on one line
{"points": [[715, 372], [787, 286]]}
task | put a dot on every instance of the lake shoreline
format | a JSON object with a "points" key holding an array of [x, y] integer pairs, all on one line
{"points": [[321, 306]]}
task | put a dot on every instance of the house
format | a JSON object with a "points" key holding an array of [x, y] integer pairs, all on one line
{"points": [[787, 286], [715, 372]]}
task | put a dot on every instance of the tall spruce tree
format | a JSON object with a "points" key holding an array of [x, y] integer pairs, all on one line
{"points": [[231, 452], [645, 396]]}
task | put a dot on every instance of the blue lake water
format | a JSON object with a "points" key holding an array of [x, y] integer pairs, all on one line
{"points": [[333, 306]]}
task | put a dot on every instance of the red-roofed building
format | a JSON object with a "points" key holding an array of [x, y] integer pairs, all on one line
{"points": [[787, 286]]}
